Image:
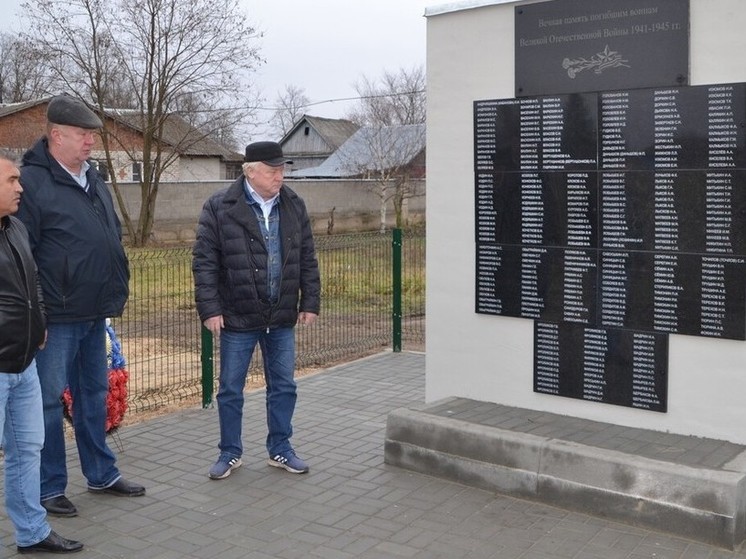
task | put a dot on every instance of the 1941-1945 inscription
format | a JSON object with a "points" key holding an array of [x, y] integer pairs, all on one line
{"points": [[568, 46]]}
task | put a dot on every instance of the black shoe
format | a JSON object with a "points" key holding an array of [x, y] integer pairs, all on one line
{"points": [[59, 506], [122, 488], [53, 543]]}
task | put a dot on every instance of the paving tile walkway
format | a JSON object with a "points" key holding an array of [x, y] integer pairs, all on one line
{"points": [[351, 504]]}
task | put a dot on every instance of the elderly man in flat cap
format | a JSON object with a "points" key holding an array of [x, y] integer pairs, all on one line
{"points": [[256, 276], [75, 238]]}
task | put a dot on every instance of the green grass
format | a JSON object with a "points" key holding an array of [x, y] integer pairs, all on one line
{"points": [[356, 274]]}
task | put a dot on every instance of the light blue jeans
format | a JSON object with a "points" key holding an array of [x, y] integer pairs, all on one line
{"points": [[75, 355], [278, 353], [22, 429]]}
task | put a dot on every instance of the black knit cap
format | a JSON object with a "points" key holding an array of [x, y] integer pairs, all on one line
{"points": [[64, 109], [266, 152]]}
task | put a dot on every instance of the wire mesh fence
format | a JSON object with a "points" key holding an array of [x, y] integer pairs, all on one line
{"points": [[160, 332]]}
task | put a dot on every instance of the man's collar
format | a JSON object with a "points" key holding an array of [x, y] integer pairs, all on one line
{"points": [[255, 195]]}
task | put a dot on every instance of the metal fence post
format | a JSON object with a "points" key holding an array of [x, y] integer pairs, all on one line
{"points": [[207, 368], [396, 303]]}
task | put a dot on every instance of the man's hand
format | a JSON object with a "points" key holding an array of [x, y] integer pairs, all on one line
{"points": [[214, 324], [307, 318]]}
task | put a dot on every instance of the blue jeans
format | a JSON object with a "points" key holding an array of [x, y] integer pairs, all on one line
{"points": [[75, 356], [278, 353], [22, 429]]}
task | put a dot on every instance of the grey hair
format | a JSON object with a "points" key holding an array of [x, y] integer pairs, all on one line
{"points": [[8, 155]]}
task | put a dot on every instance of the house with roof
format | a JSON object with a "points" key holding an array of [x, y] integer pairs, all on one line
{"points": [[313, 139], [194, 156], [375, 152], [389, 161]]}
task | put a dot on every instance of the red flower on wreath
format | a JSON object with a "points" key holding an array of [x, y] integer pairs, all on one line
{"points": [[116, 398]]}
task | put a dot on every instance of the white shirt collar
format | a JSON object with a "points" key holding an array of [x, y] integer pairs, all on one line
{"points": [[265, 205], [81, 178]]}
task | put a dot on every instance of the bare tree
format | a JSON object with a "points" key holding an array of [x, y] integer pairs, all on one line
{"points": [[291, 106], [394, 98], [155, 57], [23, 70], [389, 148], [389, 157], [219, 123]]}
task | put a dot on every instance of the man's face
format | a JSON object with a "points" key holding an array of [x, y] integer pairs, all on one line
{"points": [[266, 179], [10, 188], [72, 145]]}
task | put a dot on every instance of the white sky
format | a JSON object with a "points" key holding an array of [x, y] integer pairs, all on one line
{"points": [[322, 46]]}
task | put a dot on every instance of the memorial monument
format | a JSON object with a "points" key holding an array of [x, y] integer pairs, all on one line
{"points": [[587, 258]]}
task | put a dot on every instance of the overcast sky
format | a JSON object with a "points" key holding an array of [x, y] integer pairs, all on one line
{"points": [[323, 46]]}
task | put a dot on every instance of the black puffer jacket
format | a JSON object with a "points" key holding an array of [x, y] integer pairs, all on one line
{"points": [[230, 263], [22, 320], [76, 240]]}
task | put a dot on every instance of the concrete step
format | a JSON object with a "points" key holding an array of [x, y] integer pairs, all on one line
{"points": [[689, 486]]}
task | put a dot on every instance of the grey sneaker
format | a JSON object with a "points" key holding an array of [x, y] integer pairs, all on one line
{"points": [[222, 468], [290, 462]]}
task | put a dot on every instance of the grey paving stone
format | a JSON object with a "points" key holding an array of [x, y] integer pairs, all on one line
{"points": [[351, 505]]}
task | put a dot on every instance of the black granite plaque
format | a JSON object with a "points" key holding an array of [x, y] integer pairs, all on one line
{"points": [[544, 283], [614, 230], [567, 46], [556, 133], [673, 293], [674, 211], [701, 127], [548, 209], [607, 365]]}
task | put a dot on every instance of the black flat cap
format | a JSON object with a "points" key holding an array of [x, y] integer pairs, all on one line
{"points": [[64, 109], [266, 152]]}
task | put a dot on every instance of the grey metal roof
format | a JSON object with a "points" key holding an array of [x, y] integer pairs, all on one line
{"points": [[371, 148]]}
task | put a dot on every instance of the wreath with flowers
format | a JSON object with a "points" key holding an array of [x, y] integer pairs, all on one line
{"points": [[116, 398]]}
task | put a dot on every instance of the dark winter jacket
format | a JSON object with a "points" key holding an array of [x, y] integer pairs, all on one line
{"points": [[230, 263], [22, 320], [75, 238]]}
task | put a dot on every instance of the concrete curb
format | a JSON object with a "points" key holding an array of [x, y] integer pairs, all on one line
{"points": [[703, 504]]}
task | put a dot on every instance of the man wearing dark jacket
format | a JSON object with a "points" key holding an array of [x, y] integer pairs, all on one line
{"points": [[22, 332], [256, 276], [75, 237]]}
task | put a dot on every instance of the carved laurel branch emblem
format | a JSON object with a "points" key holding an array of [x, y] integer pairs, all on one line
{"points": [[598, 63]]}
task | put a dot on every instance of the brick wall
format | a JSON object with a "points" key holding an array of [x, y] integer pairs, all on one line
{"points": [[21, 130]]}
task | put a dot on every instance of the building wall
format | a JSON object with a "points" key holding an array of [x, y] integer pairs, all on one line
{"points": [[199, 168], [306, 150], [348, 204], [19, 131], [489, 358]]}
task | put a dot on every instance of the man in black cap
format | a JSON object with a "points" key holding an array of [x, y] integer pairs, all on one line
{"points": [[22, 324], [75, 237], [256, 277]]}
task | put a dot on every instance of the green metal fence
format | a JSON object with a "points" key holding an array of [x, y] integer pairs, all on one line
{"points": [[162, 338]]}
